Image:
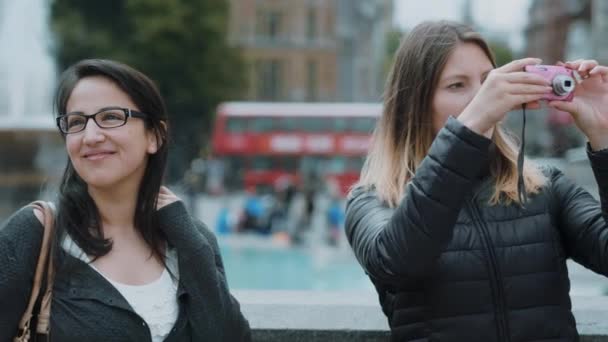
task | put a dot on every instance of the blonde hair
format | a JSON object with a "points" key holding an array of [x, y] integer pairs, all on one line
{"points": [[404, 133]]}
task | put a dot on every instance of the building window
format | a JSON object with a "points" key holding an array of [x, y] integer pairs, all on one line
{"points": [[268, 77], [311, 24], [269, 24], [312, 82]]}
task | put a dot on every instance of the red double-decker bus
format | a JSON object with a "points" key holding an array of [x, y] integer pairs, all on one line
{"points": [[263, 143]]}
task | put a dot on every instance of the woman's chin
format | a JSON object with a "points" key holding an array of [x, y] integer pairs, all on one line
{"points": [[101, 182]]}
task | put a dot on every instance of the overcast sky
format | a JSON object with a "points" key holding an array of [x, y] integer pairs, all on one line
{"points": [[509, 16]]}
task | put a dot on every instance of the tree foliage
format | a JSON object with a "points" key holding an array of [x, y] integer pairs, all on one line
{"points": [[393, 39], [502, 52], [181, 44]]}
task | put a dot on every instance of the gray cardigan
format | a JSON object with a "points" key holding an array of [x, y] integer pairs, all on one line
{"points": [[86, 307]]}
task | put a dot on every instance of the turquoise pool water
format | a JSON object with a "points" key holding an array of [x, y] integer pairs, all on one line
{"points": [[262, 268]]}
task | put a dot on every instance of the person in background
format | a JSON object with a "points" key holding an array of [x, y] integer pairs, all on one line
{"points": [[334, 213], [131, 263], [335, 220], [225, 221], [437, 220], [253, 217]]}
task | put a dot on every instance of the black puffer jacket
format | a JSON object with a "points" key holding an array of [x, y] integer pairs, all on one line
{"points": [[449, 267]]}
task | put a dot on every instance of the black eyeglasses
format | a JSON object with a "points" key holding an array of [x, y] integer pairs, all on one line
{"points": [[110, 117]]}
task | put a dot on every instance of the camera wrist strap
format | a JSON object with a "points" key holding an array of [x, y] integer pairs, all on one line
{"points": [[521, 185]]}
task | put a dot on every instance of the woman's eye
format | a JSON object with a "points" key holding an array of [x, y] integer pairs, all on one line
{"points": [[456, 85], [75, 122], [112, 116]]}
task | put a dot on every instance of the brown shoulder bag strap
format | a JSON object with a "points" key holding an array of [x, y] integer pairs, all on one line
{"points": [[44, 315]]}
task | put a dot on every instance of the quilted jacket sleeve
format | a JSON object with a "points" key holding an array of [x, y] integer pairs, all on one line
{"points": [[583, 222], [241, 330], [192, 237], [20, 240], [393, 243]]}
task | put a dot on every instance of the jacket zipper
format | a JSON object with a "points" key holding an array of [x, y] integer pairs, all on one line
{"points": [[497, 286]]}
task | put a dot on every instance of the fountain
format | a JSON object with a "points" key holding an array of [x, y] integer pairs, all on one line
{"points": [[31, 150], [27, 71]]}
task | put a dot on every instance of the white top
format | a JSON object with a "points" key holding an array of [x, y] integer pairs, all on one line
{"points": [[155, 302]]}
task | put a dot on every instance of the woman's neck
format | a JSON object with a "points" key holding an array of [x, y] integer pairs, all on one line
{"points": [[116, 207]]}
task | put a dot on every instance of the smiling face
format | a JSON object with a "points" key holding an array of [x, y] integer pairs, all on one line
{"points": [[465, 70], [105, 157]]}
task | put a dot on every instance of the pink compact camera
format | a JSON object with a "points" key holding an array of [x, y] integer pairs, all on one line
{"points": [[563, 81]]}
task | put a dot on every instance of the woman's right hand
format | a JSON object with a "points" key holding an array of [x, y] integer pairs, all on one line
{"points": [[504, 89], [165, 197]]}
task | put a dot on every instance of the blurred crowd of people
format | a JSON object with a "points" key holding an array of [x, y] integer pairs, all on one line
{"points": [[288, 212]]}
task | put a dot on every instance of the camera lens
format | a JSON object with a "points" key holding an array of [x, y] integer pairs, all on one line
{"points": [[563, 85]]}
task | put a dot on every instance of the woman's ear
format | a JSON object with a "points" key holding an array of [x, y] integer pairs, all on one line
{"points": [[155, 140]]}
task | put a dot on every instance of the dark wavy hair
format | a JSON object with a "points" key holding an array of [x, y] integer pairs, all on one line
{"points": [[77, 213]]}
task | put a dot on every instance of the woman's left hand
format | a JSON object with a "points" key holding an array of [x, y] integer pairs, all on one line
{"points": [[589, 107], [165, 197]]}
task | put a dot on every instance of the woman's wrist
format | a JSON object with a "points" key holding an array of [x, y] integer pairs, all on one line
{"points": [[475, 123], [598, 142]]}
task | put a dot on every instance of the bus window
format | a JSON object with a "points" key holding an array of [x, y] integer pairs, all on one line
{"points": [[340, 125], [262, 163], [335, 165], [355, 163], [315, 124], [363, 125], [236, 125], [287, 124], [289, 164], [262, 125], [310, 165], [297, 123]]}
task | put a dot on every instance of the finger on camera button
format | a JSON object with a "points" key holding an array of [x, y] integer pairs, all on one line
{"points": [[574, 63], [587, 65], [600, 69], [519, 64]]}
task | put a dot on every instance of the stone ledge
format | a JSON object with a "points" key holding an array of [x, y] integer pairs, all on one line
{"points": [[312, 316]]}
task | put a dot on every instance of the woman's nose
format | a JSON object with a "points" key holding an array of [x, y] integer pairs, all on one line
{"points": [[92, 133]]}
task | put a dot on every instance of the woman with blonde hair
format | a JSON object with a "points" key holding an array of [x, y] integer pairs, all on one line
{"points": [[463, 241]]}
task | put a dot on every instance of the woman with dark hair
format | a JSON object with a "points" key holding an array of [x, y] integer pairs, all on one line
{"points": [[130, 262], [437, 220]]}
